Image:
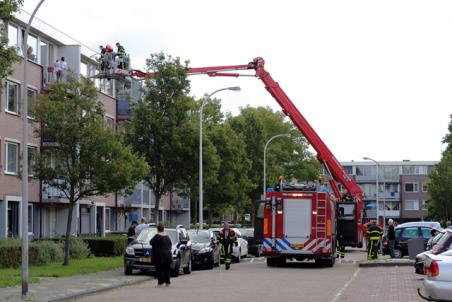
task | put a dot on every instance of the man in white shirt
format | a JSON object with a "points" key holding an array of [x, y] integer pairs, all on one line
{"points": [[61, 67], [141, 226]]}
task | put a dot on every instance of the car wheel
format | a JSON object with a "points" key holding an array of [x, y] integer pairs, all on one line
{"points": [[187, 269], [211, 262], [237, 259], [128, 270], [271, 262], [175, 272]]}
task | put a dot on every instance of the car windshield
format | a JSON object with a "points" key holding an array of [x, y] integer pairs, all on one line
{"points": [[445, 242], [199, 236], [147, 233]]}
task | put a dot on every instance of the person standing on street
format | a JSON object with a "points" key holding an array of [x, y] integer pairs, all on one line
{"points": [[391, 237], [161, 255], [141, 226], [131, 232], [227, 238], [373, 233]]}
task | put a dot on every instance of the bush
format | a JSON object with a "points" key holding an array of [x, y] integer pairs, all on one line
{"points": [[107, 247], [39, 253], [78, 249]]}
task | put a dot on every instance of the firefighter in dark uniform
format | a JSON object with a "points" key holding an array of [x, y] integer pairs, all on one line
{"points": [[374, 234], [227, 238], [340, 247]]}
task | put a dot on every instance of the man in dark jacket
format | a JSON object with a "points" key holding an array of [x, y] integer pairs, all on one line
{"points": [[374, 233], [227, 238], [161, 255], [391, 237], [131, 232]]}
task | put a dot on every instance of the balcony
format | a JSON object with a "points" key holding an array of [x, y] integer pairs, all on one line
{"points": [[51, 194], [388, 213], [180, 204], [123, 110]]}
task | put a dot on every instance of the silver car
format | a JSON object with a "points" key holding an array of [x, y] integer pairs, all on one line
{"points": [[438, 282]]}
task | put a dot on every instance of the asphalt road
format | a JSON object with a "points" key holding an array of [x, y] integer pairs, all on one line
{"points": [[252, 280]]}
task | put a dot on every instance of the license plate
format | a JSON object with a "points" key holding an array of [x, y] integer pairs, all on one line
{"points": [[148, 260]]}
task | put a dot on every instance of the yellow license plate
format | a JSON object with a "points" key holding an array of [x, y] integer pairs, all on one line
{"points": [[298, 245], [145, 260]]}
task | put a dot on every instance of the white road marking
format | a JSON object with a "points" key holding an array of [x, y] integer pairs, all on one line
{"points": [[346, 285], [252, 260]]}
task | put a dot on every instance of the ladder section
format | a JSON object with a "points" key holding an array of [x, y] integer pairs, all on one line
{"points": [[320, 218]]}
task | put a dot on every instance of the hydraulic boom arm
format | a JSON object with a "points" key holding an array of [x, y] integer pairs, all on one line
{"points": [[324, 155]]}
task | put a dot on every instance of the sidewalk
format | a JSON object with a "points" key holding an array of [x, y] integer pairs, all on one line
{"points": [[66, 288]]}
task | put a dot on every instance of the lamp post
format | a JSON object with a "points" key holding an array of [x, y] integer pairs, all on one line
{"points": [[25, 158], [206, 99], [377, 164], [265, 159]]}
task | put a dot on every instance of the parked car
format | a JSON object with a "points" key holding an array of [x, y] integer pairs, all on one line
{"points": [[242, 248], [253, 247], [420, 258], [438, 282], [405, 232], [138, 254], [428, 224], [205, 250]]}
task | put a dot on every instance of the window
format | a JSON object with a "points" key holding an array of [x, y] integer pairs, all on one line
{"points": [[110, 122], [107, 218], [426, 232], [12, 97], [30, 219], [348, 169], [13, 38], [410, 233], [366, 170], [31, 93], [32, 153], [12, 157], [32, 48], [411, 187], [425, 205], [424, 187], [412, 205]]}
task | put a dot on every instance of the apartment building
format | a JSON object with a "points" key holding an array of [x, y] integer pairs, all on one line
{"points": [[47, 206], [402, 190]]}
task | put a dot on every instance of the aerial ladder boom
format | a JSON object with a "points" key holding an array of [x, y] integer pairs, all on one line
{"points": [[324, 155]]}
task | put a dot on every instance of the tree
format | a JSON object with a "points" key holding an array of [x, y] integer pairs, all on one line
{"points": [[440, 183], [160, 124], [8, 55], [88, 158], [288, 157]]}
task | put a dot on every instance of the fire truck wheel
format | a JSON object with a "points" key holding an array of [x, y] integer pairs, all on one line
{"points": [[281, 261], [271, 262], [329, 262]]}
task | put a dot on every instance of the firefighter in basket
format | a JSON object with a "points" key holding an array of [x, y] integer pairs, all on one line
{"points": [[227, 239]]}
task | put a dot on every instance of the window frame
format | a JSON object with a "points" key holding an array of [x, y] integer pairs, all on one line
{"points": [[34, 90], [8, 83], [410, 200], [32, 161], [11, 142], [424, 187], [415, 187]]}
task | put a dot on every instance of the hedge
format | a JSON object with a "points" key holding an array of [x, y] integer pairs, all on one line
{"points": [[38, 254], [107, 247]]}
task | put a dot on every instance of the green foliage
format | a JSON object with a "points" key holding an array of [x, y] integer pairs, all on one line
{"points": [[440, 183], [39, 253], [8, 55], [159, 125], [288, 157], [107, 247], [88, 158], [79, 249]]}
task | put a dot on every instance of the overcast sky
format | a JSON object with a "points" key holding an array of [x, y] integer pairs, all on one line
{"points": [[373, 78]]}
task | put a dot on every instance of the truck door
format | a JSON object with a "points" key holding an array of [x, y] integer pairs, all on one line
{"points": [[297, 219], [346, 223]]}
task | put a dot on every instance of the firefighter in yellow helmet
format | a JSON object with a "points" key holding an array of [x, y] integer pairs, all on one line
{"points": [[374, 234]]}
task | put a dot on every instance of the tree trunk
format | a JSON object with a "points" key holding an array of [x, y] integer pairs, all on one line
{"points": [[155, 216], [68, 233]]}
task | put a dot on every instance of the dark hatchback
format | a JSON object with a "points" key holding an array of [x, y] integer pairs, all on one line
{"points": [[254, 247], [205, 250], [138, 254], [440, 243], [405, 233]]}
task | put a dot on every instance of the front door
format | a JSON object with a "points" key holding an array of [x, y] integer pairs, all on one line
{"points": [[13, 219]]}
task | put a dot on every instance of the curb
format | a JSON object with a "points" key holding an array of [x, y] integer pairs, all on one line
{"points": [[386, 263], [71, 297]]}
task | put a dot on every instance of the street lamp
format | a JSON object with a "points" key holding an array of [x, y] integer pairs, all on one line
{"points": [[206, 99], [377, 164], [265, 159], [25, 158]]}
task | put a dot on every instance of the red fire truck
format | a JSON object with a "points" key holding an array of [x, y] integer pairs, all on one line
{"points": [[301, 224]]}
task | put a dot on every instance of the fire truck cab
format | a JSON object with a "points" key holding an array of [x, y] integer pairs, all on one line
{"points": [[298, 223]]}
